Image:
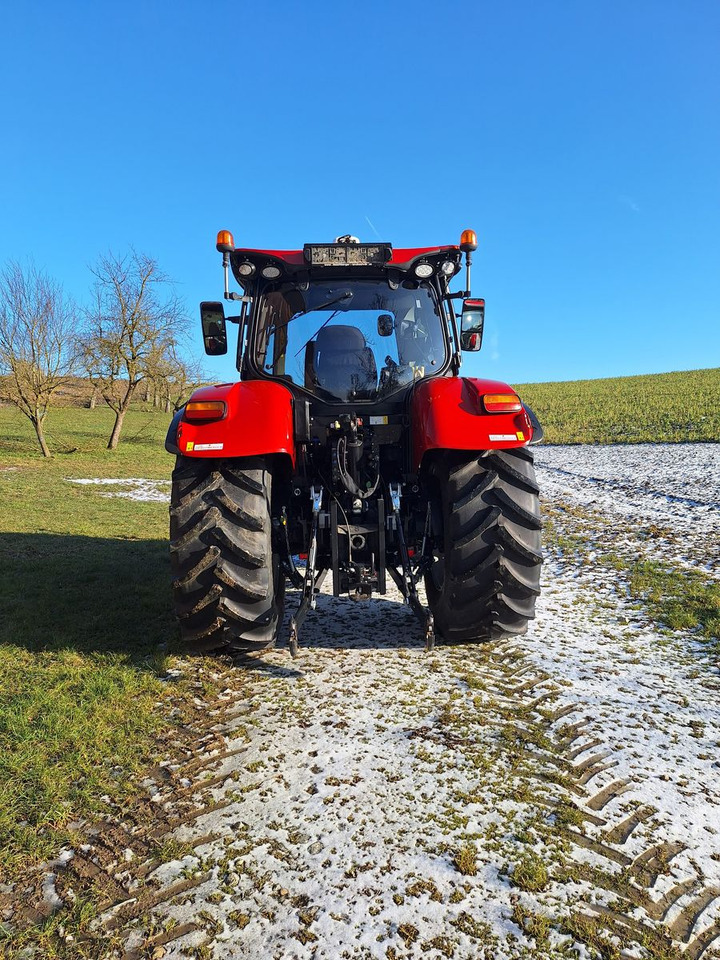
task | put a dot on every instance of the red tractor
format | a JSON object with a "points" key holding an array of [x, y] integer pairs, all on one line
{"points": [[352, 443]]}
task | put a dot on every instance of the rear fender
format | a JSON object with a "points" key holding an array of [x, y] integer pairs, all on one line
{"points": [[258, 420], [447, 414]]}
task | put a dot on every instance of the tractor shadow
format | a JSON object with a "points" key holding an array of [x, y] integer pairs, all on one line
{"points": [[338, 623], [88, 594], [110, 596]]}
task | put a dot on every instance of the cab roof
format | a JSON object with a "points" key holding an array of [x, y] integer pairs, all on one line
{"points": [[292, 262], [400, 257]]}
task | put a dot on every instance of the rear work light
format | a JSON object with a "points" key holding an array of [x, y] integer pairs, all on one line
{"points": [[424, 270], [502, 403], [204, 411]]}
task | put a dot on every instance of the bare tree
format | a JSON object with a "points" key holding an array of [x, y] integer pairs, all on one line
{"points": [[182, 376], [171, 377], [136, 317], [36, 342], [161, 365]]}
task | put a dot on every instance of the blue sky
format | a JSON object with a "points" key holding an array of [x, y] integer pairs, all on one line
{"points": [[581, 140]]}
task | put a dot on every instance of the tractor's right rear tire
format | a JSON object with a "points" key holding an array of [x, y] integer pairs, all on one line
{"points": [[486, 573], [228, 588]]}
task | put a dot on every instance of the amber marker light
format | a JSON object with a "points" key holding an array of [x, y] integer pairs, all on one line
{"points": [[204, 411], [225, 242], [468, 240], [502, 403]]}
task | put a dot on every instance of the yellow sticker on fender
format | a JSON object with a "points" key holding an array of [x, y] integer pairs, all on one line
{"points": [[520, 435], [190, 445]]}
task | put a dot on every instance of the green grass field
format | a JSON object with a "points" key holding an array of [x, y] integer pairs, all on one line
{"points": [[85, 591], [86, 612], [665, 407]]}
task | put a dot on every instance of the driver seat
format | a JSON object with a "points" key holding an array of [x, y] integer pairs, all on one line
{"points": [[340, 362]]}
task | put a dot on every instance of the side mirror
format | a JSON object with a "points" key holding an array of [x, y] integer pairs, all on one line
{"points": [[471, 324], [212, 318], [385, 325]]}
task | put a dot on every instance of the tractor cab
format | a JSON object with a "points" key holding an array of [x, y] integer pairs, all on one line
{"points": [[349, 340], [344, 322]]}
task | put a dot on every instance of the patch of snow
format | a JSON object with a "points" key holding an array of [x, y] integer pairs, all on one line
{"points": [[50, 894], [135, 488]]}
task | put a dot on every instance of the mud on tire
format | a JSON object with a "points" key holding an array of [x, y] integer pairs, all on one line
{"points": [[486, 525], [228, 589]]}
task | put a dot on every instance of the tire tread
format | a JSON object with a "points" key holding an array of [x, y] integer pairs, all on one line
{"points": [[489, 578], [226, 584]]}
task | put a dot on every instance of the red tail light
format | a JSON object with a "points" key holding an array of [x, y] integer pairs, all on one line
{"points": [[502, 403], [204, 411]]}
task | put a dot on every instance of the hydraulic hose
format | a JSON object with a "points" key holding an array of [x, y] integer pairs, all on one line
{"points": [[348, 482]]}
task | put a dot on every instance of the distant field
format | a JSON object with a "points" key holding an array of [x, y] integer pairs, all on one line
{"points": [[78, 437], [667, 407]]}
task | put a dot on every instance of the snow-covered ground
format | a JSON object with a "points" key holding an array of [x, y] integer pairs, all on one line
{"points": [[547, 794], [670, 490]]}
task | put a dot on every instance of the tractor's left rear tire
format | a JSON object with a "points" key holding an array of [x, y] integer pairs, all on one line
{"points": [[228, 587]]}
